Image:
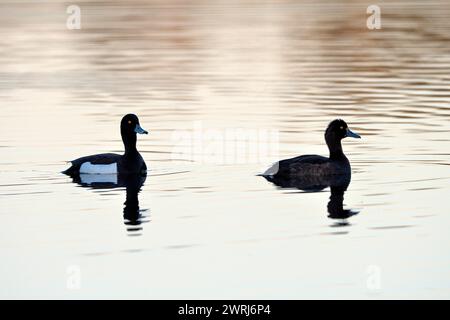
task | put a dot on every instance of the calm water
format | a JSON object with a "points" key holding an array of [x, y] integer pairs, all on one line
{"points": [[209, 228]]}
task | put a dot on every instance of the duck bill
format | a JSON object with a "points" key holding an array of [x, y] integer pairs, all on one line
{"points": [[351, 134], [139, 130]]}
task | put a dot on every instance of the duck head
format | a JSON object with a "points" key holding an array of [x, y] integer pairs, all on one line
{"points": [[129, 127], [336, 131]]}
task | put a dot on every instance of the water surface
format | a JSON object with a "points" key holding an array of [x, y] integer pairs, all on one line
{"points": [[208, 228]]}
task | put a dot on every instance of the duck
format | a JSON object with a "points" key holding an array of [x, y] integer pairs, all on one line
{"points": [[131, 162], [315, 165]]}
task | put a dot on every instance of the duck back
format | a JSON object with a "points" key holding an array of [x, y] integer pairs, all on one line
{"points": [[309, 165]]}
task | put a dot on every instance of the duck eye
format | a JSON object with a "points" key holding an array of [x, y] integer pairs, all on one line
{"points": [[129, 121], [342, 128]]}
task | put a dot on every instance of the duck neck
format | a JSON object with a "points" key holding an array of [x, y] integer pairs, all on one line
{"points": [[129, 141], [335, 148]]}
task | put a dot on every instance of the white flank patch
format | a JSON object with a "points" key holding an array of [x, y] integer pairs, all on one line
{"points": [[272, 170], [96, 178], [90, 168]]}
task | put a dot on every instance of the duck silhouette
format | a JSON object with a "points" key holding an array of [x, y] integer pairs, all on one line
{"points": [[130, 162], [315, 165], [313, 173]]}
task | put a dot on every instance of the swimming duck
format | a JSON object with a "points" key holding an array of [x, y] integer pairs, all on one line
{"points": [[110, 163], [315, 165]]}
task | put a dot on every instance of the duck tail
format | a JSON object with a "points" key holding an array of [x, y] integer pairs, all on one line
{"points": [[70, 171], [271, 171]]}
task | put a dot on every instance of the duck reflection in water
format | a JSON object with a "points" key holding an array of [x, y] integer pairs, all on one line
{"points": [[132, 215], [338, 185]]}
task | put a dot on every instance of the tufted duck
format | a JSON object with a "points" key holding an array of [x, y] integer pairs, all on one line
{"points": [[109, 163], [314, 165]]}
